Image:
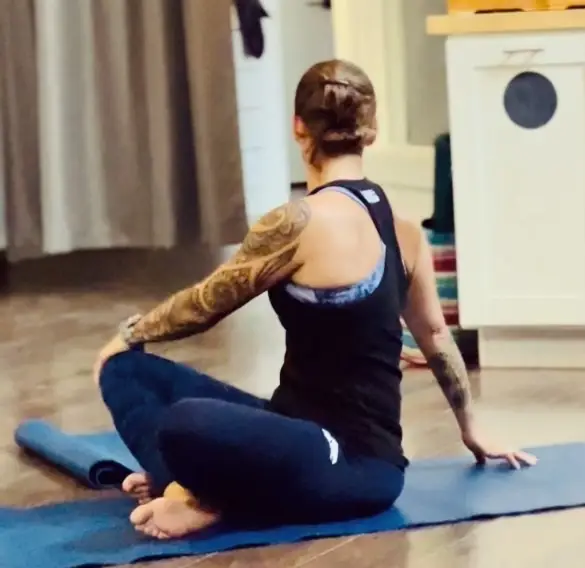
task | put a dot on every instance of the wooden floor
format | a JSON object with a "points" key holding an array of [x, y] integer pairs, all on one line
{"points": [[53, 324]]}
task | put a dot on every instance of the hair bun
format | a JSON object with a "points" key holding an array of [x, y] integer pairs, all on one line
{"points": [[341, 103], [337, 82], [363, 134], [337, 104], [340, 136]]}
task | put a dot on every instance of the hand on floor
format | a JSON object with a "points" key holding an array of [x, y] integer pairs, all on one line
{"points": [[114, 346], [484, 450]]}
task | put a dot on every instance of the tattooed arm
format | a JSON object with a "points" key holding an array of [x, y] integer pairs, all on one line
{"points": [[269, 253], [449, 369], [424, 317]]}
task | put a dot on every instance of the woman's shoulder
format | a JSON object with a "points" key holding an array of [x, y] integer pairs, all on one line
{"points": [[410, 238]]}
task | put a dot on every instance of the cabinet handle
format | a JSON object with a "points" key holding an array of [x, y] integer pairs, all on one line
{"points": [[534, 51]]}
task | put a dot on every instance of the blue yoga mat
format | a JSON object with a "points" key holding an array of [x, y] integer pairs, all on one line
{"points": [[97, 533], [100, 461]]}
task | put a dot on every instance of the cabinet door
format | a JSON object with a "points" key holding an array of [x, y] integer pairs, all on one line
{"points": [[517, 107]]}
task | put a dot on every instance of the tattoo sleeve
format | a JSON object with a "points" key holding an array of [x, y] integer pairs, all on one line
{"points": [[267, 255], [449, 369]]}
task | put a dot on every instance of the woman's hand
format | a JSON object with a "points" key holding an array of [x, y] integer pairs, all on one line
{"points": [[484, 450], [114, 346]]}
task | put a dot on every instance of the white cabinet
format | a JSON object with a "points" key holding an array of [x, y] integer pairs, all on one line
{"points": [[517, 115], [263, 118]]}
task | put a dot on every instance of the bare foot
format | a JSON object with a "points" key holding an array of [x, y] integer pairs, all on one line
{"points": [[137, 485], [166, 518]]}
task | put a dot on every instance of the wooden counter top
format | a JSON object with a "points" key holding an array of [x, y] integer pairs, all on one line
{"points": [[506, 22]]}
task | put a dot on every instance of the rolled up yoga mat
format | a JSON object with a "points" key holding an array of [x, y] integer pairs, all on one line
{"points": [[97, 532], [99, 461]]}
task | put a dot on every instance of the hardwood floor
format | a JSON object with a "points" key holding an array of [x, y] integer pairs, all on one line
{"points": [[53, 322]]}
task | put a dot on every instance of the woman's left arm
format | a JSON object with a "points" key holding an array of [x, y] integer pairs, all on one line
{"points": [[268, 254]]}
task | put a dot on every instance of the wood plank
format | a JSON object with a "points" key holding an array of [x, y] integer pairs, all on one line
{"points": [[287, 556]]}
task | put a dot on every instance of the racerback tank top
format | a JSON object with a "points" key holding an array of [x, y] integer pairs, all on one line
{"points": [[342, 362]]}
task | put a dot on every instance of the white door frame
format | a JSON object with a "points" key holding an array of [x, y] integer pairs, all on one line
{"points": [[373, 38]]}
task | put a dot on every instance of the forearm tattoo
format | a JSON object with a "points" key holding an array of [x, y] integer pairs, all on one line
{"points": [[451, 374], [266, 255]]}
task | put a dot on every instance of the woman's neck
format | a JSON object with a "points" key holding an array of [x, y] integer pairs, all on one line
{"points": [[345, 167]]}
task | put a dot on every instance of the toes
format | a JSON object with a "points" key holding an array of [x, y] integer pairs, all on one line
{"points": [[158, 534], [141, 528], [135, 482], [152, 531], [141, 515]]}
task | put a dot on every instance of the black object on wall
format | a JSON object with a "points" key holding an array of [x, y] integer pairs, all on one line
{"points": [[443, 219], [321, 3], [250, 14]]}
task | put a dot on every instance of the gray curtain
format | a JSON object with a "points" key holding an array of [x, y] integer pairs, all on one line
{"points": [[118, 125]]}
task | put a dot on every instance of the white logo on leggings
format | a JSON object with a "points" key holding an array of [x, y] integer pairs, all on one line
{"points": [[333, 447]]}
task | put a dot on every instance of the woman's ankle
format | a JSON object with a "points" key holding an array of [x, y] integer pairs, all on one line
{"points": [[177, 492]]}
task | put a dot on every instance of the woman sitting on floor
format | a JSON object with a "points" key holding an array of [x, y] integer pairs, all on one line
{"points": [[340, 270]]}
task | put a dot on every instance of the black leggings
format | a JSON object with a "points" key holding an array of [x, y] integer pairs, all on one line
{"points": [[234, 455]]}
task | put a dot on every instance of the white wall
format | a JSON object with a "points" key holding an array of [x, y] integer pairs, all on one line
{"points": [[426, 73], [263, 123], [307, 37], [380, 39]]}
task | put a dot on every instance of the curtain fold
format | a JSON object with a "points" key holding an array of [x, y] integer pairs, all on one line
{"points": [[119, 125]]}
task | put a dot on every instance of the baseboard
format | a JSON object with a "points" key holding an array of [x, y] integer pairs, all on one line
{"points": [[410, 167], [532, 348]]}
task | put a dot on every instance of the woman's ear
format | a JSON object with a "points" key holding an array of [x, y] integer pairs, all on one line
{"points": [[299, 129]]}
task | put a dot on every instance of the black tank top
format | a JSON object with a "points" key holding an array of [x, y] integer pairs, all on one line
{"points": [[341, 367]]}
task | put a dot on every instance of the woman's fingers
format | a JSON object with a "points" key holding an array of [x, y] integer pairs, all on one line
{"points": [[515, 459], [526, 459]]}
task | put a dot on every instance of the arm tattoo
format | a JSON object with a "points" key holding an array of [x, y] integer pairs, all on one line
{"points": [[449, 369], [266, 256]]}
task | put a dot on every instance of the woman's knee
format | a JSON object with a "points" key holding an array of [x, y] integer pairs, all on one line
{"points": [[118, 370], [117, 367]]}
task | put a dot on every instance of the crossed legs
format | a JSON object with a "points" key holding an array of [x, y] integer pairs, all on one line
{"points": [[212, 451]]}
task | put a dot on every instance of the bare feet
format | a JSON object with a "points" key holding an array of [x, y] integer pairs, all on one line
{"points": [[137, 485], [166, 518]]}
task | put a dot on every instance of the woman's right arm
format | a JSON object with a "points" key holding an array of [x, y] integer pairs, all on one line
{"points": [[424, 317], [270, 252]]}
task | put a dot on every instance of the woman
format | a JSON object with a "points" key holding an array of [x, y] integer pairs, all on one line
{"points": [[340, 270]]}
